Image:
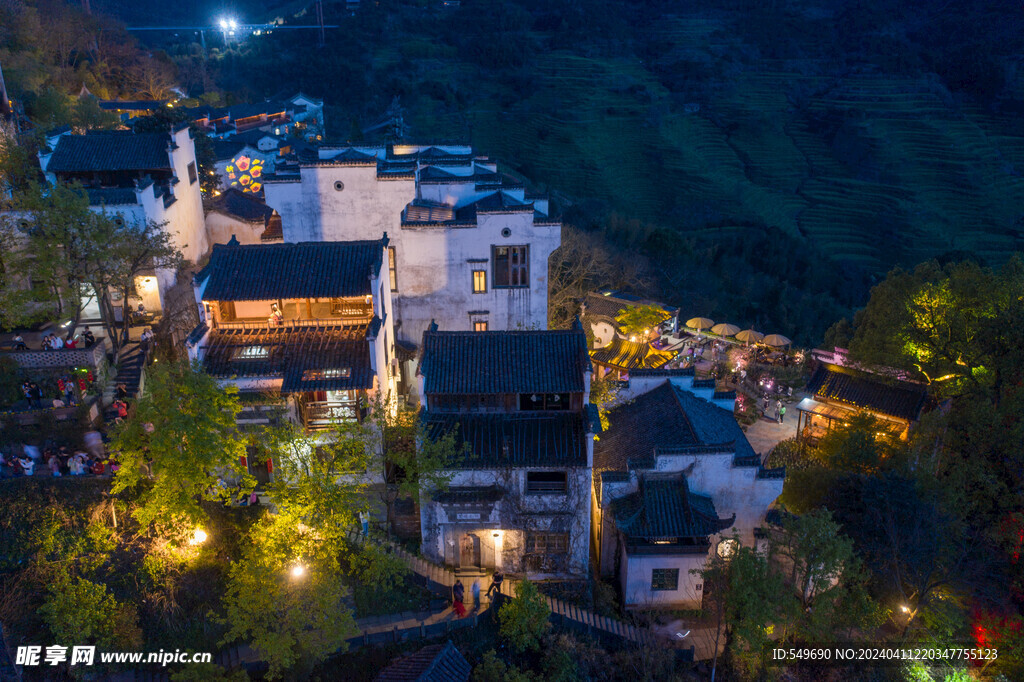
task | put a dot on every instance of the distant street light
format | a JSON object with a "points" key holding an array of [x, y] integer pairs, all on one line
{"points": [[198, 537], [223, 24], [298, 570]]}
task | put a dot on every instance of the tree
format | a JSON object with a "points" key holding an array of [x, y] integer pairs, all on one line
{"points": [[81, 611], [493, 669], [206, 158], [285, 594], [181, 440], [956, 327], [523, 620], [413, 458], [914, 549], [639, 319], [208, 672], [581, 264]]}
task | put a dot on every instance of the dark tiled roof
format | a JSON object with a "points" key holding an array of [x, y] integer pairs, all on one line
{"points": [[118, 150], [903, 400], [111, 196], [434, 663], [665, 508], [613, 304], [228, 149], [267, 272], [516, 439], [351, 155], [493, 203], [625, 354], [504, 362], [242, 205], [294, 354], [666, 417]]}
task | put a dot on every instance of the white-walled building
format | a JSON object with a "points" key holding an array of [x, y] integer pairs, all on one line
{"points": [[243, 216], [672, 473], [309, 323], [468, 247], [519, 500], [138, 177]]}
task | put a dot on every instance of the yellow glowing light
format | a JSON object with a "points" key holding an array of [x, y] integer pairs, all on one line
{"points": [[198, 537], [904, 608], [298, 570]]}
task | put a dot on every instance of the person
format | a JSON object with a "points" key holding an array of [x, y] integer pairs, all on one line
{"points": [[57, 402], [778, 406], [31, 451], [19, 343], [458, 597], [122, 392], [145, 339], [71, 341], [764, 405], [122, 410], [28, 467], [88, 338], [56, 342], [69, 392], [276, 317], [98, 468], [496, 581], [36, 395], [54, 465], [782, 414], [254, 499], [75, 465], [94, 443]]}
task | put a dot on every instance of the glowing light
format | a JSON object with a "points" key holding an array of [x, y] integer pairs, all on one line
{"points": [[198, 537], [233, 24], [223, 24], [298, 570], [904, 608]]}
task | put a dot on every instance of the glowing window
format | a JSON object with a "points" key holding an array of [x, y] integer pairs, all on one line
{"points": [[329, 373], [251, 353], [479, 281]]}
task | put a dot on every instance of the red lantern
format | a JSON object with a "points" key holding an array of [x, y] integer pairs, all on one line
{"points": [[60, 386], [81, 384], [270, 466], [245, 462]]}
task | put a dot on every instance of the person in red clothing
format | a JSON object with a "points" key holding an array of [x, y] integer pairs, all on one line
{"points": [[99, 468], [458, 594]]}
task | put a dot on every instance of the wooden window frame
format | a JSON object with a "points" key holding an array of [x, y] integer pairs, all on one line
{"points": [[510, 267], [479, 281], [547, 487]]}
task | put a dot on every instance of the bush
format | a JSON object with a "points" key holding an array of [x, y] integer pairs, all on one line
{"points": [[524, 619]]}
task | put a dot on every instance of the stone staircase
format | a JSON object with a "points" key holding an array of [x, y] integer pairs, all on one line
{"points": [[130, 367]]}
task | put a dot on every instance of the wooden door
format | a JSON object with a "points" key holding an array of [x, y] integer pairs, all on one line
{"points": [[469, 554]]}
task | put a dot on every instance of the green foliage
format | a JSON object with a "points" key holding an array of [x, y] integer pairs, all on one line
{"points": [[292, 621], [956, 327], [603, 392], [78, 610], [493, 669], [208, 672], [374, 566], [181, 439], [524, 618], [861, 447], [640, 318]]}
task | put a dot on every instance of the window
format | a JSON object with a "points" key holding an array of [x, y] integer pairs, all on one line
{"points": [[529, 402], [251, 353], [392, 269], [192, 176], [479, 281], [664, 579], [511, 266], [480, 326], [547, 543], [549, 482], [339, 185], [329, 373]]}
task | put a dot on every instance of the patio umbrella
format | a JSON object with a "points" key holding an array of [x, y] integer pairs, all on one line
{"points": [[749, 336], [699, 323], [776, 340], [725, 329]]}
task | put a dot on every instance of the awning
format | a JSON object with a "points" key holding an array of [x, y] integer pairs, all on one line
{"points": [[824, 410]]}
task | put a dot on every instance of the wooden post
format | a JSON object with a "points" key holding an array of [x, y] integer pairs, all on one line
{"points": [[309, 309]]}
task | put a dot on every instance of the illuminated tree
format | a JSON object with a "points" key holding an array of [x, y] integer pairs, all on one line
{"points": [[639, 318], [181, 441], [524, 618]]}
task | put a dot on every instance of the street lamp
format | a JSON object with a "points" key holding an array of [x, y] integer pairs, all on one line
{"points": [[298, 570], [223, 24], [198, 537]]}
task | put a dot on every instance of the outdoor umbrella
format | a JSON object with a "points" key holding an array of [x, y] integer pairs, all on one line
{"points": [[725, 329], [776, 340], [749, 336], [699, 323]]}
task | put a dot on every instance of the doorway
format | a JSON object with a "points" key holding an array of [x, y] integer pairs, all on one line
{"points": [[469, 551]]}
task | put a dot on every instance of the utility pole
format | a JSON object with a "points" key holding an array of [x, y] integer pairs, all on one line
{"points": [[6, 113], [320, 19]]}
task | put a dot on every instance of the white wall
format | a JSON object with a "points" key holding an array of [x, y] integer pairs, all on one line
{"points": [[220, 227], [637, 572]]}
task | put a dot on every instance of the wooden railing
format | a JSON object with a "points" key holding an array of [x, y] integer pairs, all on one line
{"points": [[321, 414]]}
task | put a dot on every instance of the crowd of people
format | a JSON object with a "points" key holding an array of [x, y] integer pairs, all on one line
{"points": [[29, 460], [54, 342], [67, 393]]}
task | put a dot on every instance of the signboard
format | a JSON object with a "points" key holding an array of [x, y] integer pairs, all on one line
{"points": [[467, 517]]}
